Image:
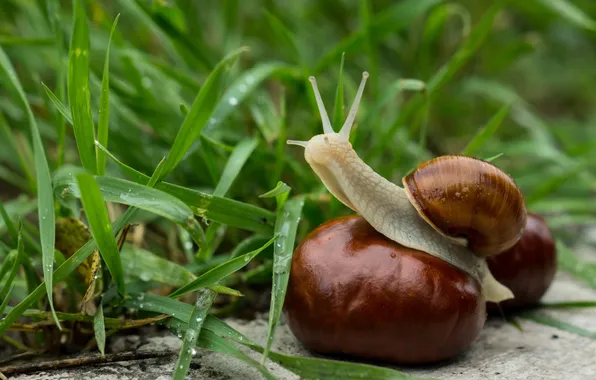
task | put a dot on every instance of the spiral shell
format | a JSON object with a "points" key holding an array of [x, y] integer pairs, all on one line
{"points": [[470, 201]]}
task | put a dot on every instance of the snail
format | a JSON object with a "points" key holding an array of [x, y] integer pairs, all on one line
{"points": [[528, 268], [412, 264]]}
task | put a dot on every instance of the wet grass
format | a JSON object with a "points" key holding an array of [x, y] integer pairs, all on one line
{"points": [[143, 164]]}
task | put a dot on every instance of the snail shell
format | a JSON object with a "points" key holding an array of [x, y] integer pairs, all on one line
{"points": [[470, 201]]}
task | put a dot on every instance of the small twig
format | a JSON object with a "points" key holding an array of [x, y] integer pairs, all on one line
{"points": [[22, 355], [2, 377], [81, 361]]}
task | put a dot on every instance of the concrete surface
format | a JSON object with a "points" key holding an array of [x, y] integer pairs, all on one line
{"points": [[500, 352]]}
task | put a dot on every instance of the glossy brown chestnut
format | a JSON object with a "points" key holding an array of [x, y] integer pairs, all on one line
{"points": [[529, 267], [465, 197], [354, 292]]}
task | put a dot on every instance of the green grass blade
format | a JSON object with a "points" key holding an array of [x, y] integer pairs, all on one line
{"points": [[286, 226], [486, 132], [144, 197], [148, 266], [14, 179], [442, 76], [199, 114], [338, 107], [58, 104], [12, 231], [6, 300], [240, 89], [234, 164], [568, 304], [6, 290], [556, 323], [25, 41], [99, 327], [78, 88], [221, 271], [569, 262], [284, 35], [570, 12], [104, 107], [45, 198], [315, 368], [550, 185], [27, 168], [210, 341], [99, 223], [195, 324], [218, 209]]}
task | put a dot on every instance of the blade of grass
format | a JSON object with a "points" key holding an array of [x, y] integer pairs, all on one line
{"points": [[235, 162], [78, 88], [486, 132], [7, 288], [338, 107], [12, 231], [99, 327], [104, 107], [572, 264], [6, 300], [221, 271], [22, 160], [199, 113], [65, 112], [558, 324], [568, 304], [25, 41], [45, 198], [99, 224], [570, 12], [14, 179], [289, 212], [550, 185], [195, 324], [315, 368], [239, 90], [218, 209], [210, 341], [148, 266], [442, 76], [144, 197], [391, 20], [285, 36], [237, 159]]}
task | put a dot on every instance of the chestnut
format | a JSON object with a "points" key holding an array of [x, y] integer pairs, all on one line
{"points": [[529, 267], [354, 292]]}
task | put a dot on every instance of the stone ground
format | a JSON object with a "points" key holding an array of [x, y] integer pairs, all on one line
{"points": [[501, 351]]}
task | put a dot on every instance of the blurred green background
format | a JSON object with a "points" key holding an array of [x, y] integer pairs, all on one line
{"points": [[441, 72]]}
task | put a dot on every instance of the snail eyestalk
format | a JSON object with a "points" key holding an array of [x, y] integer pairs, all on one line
{"points": [[327, 128], [297, 142], [347, 127]]}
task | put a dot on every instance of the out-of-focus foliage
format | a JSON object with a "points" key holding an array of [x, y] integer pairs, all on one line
{"points": [[200, 99]]}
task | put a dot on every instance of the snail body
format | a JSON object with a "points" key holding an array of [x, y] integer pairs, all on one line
{"points": [[400, 214]]}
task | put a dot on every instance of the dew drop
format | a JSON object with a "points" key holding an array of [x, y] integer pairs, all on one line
{"points": [[233, 101]]}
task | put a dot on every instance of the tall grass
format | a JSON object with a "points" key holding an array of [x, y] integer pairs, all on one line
{"points": [[143, 165]]}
